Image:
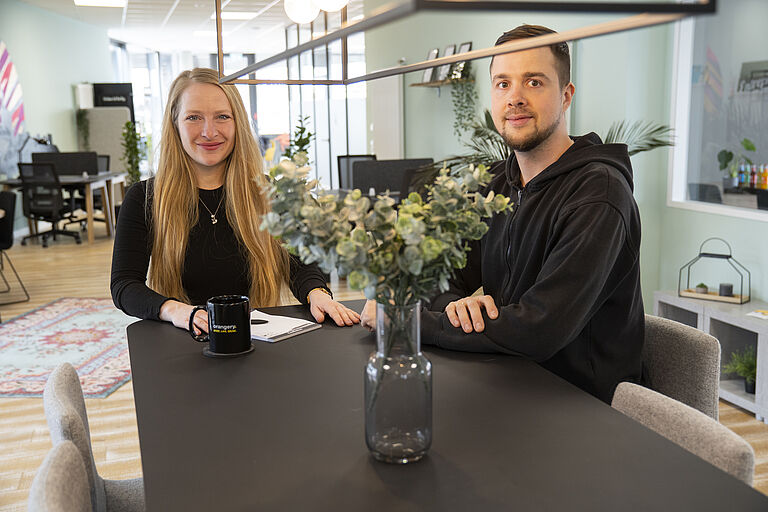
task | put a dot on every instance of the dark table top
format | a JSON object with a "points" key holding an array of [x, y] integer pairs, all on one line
{"points": [[283, 429]]}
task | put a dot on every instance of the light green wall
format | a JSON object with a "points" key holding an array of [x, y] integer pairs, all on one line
{"points": [[51, 54], [620, 76]]}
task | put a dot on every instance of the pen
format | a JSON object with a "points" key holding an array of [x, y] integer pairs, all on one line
{"points": [[258, 321]]}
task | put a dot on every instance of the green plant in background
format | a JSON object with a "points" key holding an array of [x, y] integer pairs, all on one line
{"points": [[726, 160], [300, 140], [83, 128], [487, 146], [464, 97], [396, 255], [639, 136], [134, 151], [743, 364]]}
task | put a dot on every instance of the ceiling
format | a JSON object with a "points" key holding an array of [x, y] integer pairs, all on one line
{"points": [[186, 25]]}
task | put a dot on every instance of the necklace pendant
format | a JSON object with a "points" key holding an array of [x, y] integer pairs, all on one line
{"points": [[214, 220]]}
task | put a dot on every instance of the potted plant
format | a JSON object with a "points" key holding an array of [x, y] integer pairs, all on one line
{"points": [[300, 140], [134, 151], [702, 288], [730, 165], [744, 364], [487, 146], [397, 256]]}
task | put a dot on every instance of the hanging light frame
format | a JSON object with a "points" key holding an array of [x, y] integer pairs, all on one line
{"points": [[650, 14]]}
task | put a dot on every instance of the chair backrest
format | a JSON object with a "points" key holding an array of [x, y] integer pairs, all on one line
{"points": [[61, 483], [103, 163], [762, 199], [41, 190], [384, 174], [70, 163], [683, 363], [67, 421], [706, 192], [345, 163], [688, 428], [8, 205]]}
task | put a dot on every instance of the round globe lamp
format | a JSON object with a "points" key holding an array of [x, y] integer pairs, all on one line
{"points": [[301, 11]]}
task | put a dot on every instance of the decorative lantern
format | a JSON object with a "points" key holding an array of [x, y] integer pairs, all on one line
{"points": [[724, 292]]}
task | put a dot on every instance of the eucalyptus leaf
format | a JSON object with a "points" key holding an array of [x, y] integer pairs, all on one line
{"points": [[394, 254]]}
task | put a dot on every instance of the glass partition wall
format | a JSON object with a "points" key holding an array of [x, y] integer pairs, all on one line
{"points": [[335, 114], [721, 109]]}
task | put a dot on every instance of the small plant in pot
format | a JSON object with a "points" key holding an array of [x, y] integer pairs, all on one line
{"points": [[744, 364], [702, 288], [730, 165]]}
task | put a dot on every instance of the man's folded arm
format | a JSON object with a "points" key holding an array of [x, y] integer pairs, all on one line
{"points": [[569, 289]]}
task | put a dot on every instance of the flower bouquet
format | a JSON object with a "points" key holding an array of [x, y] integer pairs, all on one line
{"points": [[397, 255]]}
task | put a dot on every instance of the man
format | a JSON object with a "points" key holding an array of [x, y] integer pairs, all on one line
{"points": [[560, 273]]}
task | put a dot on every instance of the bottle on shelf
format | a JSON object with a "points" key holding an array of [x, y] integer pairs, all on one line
{"points": [[742, 175], [764, 181], [753, 176]]}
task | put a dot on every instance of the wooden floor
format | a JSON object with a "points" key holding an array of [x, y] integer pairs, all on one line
{"points": [[65, 269]]}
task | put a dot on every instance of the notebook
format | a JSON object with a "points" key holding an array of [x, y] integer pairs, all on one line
{"points": [[278, 328]]}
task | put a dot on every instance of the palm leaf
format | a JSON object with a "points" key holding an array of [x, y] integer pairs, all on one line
{"points": [[640, 136], [485, 146]]}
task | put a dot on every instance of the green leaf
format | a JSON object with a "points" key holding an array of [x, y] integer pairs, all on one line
{"points": [[748, 145], [640, 136]]}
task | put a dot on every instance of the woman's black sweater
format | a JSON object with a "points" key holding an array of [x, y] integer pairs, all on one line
{"points": [[214, 264]]}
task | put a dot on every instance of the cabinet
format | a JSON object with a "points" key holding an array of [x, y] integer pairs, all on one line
{"points": [[735, 330]]}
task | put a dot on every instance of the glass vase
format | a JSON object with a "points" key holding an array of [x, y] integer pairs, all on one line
{"points": [[398, 388]]}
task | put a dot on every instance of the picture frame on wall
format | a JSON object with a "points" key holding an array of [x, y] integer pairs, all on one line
{"points": [[442, 71], [458, 67], [429, 72]]}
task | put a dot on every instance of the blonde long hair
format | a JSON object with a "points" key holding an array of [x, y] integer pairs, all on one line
{"points": [[174, 200]]}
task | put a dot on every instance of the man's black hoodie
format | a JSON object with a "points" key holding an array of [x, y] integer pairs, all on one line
{"points": [[563, 268]]}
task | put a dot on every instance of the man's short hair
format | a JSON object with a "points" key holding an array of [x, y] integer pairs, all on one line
{"points": [[559, 50]]}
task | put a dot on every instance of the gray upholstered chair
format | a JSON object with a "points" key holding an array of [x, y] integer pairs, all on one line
{"points": [[688, 428], [683, 363], [61, 484], [67, 420]]}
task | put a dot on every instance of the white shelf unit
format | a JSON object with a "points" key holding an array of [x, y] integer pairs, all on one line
{"points": [[735, 330]]}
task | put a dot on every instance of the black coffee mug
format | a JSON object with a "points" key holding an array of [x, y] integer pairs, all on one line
{"points": [[229, 328]]}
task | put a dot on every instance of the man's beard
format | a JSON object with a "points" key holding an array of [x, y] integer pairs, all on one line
{"points": [[533, 140]]}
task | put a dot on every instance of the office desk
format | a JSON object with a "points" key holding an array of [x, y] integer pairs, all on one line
{"points": [[283, 429], [105, 181]]}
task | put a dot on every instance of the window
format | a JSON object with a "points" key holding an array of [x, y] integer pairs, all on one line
{"points": [[721, 110]]}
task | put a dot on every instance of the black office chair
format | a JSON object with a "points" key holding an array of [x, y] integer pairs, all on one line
{"points": [[345, 163], [705, 192], [8, 205], [762, 199], [42, 199]]}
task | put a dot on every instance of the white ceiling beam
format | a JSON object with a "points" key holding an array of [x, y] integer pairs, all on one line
{"points": [[170, 12]]}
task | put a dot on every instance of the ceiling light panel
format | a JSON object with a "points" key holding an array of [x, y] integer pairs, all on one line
{"points": [[100, 3]]}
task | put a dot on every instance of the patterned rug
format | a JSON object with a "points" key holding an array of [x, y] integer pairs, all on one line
{"points": [[88, 333]]}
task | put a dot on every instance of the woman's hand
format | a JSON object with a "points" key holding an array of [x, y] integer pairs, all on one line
{"points": [[320, 304], [178, 314], [368, 316]]}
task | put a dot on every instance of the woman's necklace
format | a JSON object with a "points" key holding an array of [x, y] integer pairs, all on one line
{"points": [[214, 220]]}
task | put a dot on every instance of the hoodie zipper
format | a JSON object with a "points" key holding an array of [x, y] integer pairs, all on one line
{"points": [[508, 241]]}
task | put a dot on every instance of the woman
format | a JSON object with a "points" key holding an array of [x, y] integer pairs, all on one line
{"points": [[195, 225]]}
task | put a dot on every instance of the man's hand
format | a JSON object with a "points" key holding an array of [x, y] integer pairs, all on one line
{"points": [[368, 316], [467, 312], [320, 304], [178, 314]]}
